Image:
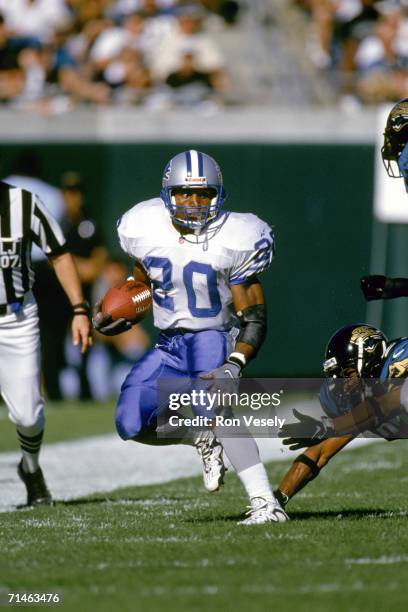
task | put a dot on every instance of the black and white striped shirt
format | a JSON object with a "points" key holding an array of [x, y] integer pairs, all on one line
{"points": [[23, 220]]}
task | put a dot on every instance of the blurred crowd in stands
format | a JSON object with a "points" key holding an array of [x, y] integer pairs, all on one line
{"points": [[55, 54], [58, 54], [362, 45], [66, 373]]}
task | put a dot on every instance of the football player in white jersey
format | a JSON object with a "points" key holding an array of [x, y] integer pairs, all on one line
{"points": [[202, 264]]}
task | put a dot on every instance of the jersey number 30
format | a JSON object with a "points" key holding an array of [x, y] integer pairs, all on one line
{"points": [[166, 285]]}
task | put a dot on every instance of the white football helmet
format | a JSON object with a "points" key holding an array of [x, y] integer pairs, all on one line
{"points": [[193, 169]]}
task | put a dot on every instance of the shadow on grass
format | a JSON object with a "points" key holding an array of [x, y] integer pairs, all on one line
{"points": [[85, 501], [209, 517], [352, 513], [357, 513]]}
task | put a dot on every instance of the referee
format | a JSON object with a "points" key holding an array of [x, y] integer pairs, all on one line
{"points": [[24, 220]]}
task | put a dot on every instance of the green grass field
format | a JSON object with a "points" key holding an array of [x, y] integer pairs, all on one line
{"points": [[64, 421], [175, 547]]}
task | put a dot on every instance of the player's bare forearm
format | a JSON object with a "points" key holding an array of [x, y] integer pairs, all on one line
{"points": [[365, 415], [244, 296], [248, 300]]}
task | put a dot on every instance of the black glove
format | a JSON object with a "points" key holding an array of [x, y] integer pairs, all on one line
{"points": [[104, 325], [306, 432], [373, 287], [295, 444], [377, 287]]}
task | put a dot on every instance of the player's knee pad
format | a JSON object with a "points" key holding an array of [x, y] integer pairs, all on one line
{"points": [[312, 465]]}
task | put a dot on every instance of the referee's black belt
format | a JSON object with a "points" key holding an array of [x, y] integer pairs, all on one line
{"points": [[5, 308]]}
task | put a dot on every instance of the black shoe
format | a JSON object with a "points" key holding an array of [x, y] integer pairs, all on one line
{"points": [[37, 492]]}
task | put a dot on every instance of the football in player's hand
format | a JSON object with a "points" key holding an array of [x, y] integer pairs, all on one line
{"points": [[130, 300]]}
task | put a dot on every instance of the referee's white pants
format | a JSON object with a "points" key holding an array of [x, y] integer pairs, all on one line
{"points": [[20, 369]]}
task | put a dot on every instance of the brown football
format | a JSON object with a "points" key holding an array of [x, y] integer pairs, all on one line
{"points": [[131, 301]]}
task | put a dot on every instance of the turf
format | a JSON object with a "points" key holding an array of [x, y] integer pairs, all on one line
{"points": [[174, 547]]}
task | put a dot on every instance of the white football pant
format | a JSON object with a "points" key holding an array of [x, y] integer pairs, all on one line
{"points": [[20, 368]]}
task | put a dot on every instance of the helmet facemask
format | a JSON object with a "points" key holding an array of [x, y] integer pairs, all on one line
{"points": [[395, 138], [359, 348], [354, 354], [390, 152], [194, 215]]}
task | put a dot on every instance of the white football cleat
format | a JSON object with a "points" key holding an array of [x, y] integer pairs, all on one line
{"points": [[210, 452], [263, 511]]}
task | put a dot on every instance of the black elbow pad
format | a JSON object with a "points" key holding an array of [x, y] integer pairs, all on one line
{"points": [[252, 322]]}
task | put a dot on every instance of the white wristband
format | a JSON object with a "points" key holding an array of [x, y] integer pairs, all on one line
{"points": [[240, 357]]}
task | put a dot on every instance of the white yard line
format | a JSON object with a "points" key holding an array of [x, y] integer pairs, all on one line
{"points": [[105, 463]]}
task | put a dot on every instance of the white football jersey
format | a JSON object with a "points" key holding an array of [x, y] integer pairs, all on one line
{"points": [[191, 276]]}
